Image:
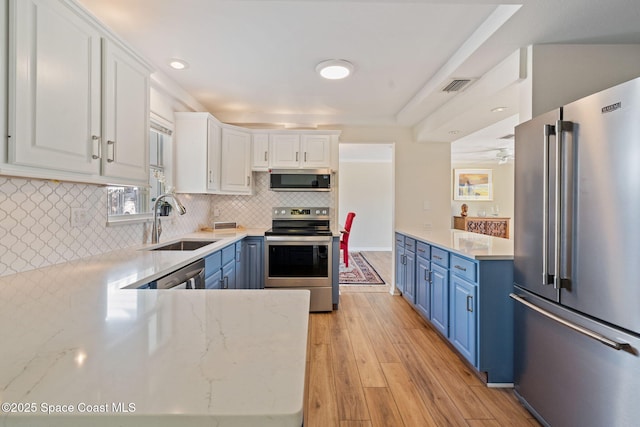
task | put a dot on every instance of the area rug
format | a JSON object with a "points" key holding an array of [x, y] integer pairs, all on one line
{"points": [[359, 272]]}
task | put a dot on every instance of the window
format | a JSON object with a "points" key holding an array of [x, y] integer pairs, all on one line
{"points": [[131, 204]]}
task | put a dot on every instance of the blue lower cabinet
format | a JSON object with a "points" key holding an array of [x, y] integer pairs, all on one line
{"points": [[253, 264], [465, 299], [400, 270], [440, 298], [214, 281], [212, 270], [423, 287], [463, 310], [229, 275]]}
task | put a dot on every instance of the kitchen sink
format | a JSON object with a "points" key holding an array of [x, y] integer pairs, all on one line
{"points": [[184, 245]]}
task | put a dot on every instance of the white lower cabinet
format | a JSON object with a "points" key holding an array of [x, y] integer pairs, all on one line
{"points": [[78, 100]]}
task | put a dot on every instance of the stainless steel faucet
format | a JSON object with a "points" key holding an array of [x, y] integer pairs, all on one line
{"points": [[157, 229]]}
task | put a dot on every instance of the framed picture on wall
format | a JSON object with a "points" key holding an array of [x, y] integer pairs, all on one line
{"points": [[473, 184]]}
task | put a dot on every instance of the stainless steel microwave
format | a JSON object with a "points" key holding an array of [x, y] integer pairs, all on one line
{"points": [[300, 179]]}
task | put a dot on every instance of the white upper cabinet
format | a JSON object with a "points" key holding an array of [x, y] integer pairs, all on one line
{"points": [[300, 151], [78, 101], [210, 157], [125, 115], [316, 151], [197, 153], [236, 161], [285, 150], [55, 74], [260, 152]]}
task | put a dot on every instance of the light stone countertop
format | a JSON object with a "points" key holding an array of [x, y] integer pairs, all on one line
{"points": [[470, 245], [72, 336]]}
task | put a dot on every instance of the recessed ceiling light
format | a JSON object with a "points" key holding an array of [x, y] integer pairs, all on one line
{"points": [[334, 69], [498, 109], [178, 64], [454, 132]]}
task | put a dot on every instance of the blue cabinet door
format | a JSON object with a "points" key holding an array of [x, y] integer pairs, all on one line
{"points": [[254, 263], [229, 275], [240, 280], [440, 298], [463, 317], [400, 271], [423, 287], [214, 280], [410, 276]]}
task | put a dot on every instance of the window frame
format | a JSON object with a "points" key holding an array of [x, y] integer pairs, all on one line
{"points": [[163, 127]]}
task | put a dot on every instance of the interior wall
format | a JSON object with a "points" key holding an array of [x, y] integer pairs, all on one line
{"points": [[366, 188], [422, 196], [503, 192]]}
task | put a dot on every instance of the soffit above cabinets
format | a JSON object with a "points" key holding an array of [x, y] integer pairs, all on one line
{"points": [[253, 61]]}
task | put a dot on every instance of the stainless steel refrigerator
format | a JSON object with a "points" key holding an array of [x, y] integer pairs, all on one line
{"points": [[577, 261]]}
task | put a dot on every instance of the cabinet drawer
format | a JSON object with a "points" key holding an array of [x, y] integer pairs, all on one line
{"points": [[423, 250], [399, 239], [440, 257], [464, 268], [409, 244], [228, 254], [212, 263]]}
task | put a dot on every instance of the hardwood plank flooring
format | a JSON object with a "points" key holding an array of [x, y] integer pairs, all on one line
{"points": [[376, 363]]}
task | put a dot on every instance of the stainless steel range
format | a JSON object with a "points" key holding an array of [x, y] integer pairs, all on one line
{"points": [[298, 253]]}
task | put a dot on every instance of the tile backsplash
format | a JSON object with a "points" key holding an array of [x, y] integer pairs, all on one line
{"points": [[36, 231], [255, 210]]}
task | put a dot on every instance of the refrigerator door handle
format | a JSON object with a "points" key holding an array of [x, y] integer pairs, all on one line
{"points": [[562, 178], [549, 130], [617, 345]]}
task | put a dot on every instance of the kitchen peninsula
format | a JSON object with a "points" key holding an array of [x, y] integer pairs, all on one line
{"points": [[77, 345], [460, 283]]}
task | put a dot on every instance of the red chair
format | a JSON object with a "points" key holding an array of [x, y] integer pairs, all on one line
{"points": [[344, 238]]}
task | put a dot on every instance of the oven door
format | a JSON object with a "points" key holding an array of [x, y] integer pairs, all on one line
{"points": [[297, 261]]}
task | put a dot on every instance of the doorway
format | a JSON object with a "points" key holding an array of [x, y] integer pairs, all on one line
{"points": [[366, 187]]}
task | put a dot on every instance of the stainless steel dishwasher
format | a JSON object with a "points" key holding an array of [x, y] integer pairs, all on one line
{"points": [[188, 277]]}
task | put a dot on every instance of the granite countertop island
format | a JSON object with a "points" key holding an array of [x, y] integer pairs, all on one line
{"points": [[78, 349]]}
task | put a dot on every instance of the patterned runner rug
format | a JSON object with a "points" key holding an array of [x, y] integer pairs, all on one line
{"points": [[360, 272]]}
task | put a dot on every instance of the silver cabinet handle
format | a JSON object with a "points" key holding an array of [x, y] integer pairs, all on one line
{"points": [[111, 144], [469, 303], [265, 156], [305, 156], [437, 257], [584, 331], [96, 139], [210, 176], [296, 156], [459, 267], [226, 282], [248, 181]]}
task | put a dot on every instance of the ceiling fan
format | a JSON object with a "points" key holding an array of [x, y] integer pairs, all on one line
{"points": [[504, 155]]}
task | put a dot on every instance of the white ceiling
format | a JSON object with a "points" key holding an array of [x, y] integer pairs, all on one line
{"points": [[253, 61]]}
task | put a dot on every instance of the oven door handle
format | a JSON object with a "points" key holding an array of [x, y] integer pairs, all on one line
{"points": [[319, 239]]}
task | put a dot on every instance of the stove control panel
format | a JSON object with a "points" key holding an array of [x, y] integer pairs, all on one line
{"points": [[300, 213]]}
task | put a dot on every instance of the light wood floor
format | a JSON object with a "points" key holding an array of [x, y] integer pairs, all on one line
{"points": [[375, 362]]}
